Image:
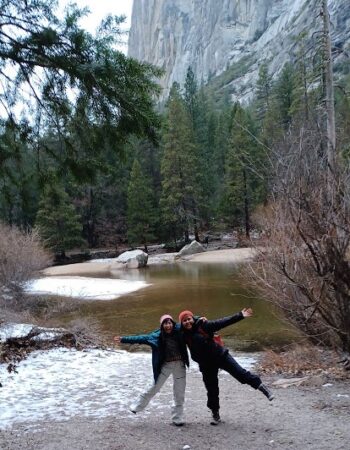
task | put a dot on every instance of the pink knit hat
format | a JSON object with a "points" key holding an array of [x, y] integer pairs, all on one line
{"points": [[165, 317]]}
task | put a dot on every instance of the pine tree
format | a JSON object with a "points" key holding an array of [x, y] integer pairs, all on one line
{"points": [[141, 214], [91, 94], [180, 197], [221, 146], [284, 94], [57, 221], [191, 96], [205, 130], [263, 91], [244, 179]]}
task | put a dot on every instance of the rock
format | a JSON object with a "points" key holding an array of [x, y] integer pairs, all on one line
{"points": [[315, 380], [133, 259], [191, 249], [287, 382], [212, 37]]}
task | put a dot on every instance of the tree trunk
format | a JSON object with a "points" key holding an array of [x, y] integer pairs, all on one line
{"points": [[187, 235], [329, 89], [196, 234], [91, 221], [246, 205]]}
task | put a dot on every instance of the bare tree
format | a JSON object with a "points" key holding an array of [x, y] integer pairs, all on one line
{"points": [[305, 268], [329, 87]]}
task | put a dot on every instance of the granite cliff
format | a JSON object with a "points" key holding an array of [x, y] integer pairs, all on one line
{"points": [[212, 36]]}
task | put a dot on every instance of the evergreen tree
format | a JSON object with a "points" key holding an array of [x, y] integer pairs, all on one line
{"points": [[57, 221], [191, 96], [141, 215], [300, 105], [221, 146], [18, 182], [284, 95], [204, 132], [75, 82], [180, 197], [263, 91], [243, 177]]}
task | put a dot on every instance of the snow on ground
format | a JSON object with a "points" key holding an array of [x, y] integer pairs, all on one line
{"points": [[15, 330], [162, 258], [18, 330], [63, 383], [84, 287]]}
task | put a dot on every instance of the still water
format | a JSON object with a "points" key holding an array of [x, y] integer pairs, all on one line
{"points": [[210, 290]]}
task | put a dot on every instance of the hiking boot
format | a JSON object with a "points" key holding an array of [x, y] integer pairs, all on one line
{"points": [[216, 418], [178, 423], [266, 391]]}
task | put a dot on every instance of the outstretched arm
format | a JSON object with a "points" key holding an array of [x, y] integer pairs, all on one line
{"points": [[137, 339], [215, 325]]}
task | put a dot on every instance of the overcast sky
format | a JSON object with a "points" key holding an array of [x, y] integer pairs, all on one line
{"points": [[100, 8]]}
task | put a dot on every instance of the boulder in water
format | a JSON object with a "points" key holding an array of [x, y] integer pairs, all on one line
{"points": [[191, 249], [133, 259]]}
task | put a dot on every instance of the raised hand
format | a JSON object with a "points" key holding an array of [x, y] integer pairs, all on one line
{"points": [[117, 339], [247, 312]]}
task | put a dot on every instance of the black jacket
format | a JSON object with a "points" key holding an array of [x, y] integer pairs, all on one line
{"points": [[203, 349]]}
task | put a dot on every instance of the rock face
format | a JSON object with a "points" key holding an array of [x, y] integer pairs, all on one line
{"points": [[212, 35], [133, 259]]}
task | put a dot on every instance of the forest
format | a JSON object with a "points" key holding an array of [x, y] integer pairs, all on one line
{"points": [[106, 166], [90, 160]]}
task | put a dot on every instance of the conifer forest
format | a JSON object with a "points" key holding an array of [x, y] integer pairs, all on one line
{"points": [[90, 159]]}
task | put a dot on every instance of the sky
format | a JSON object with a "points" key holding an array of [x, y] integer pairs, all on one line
{"points": [[100, 8]]}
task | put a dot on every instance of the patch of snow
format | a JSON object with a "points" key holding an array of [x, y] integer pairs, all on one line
{"points": [[83, 287], [19, 330], [62, 383], [15, 330], [102, 260]]}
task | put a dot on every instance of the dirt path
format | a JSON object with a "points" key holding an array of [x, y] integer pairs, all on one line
{"points": [[314, 417]]}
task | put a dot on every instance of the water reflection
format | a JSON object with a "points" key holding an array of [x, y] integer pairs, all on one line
{"points": [[211, 290]]}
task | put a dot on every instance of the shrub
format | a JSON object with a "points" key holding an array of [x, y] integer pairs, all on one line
{"points": [[21, 255]]}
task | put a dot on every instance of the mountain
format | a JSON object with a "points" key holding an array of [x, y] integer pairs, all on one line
{"points": [[231, 38]]}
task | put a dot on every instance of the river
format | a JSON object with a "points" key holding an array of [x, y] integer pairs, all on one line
{"points": [[210, 290]]}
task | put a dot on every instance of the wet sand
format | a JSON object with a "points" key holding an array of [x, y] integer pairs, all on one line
{"points": [[236, 255]]}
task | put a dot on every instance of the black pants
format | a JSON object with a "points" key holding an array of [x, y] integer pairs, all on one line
{"points": [[230, 365]]}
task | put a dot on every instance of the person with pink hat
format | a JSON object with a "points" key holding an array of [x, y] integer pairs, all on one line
{"points": [[169, 357]]}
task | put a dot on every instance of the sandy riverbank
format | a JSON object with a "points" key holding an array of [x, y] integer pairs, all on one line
{"points": [[236, 255]]}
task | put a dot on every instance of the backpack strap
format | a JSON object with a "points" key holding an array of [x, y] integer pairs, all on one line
{"points": [[215, 337]]}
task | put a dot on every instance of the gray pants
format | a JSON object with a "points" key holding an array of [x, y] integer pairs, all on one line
{"points": [[178, 371]]}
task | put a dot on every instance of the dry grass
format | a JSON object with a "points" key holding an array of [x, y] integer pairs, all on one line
{"points": [[301, 360], [21, 255]]}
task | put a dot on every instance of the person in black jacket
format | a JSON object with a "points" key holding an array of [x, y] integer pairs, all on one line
{"points": [[211, 356]]}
